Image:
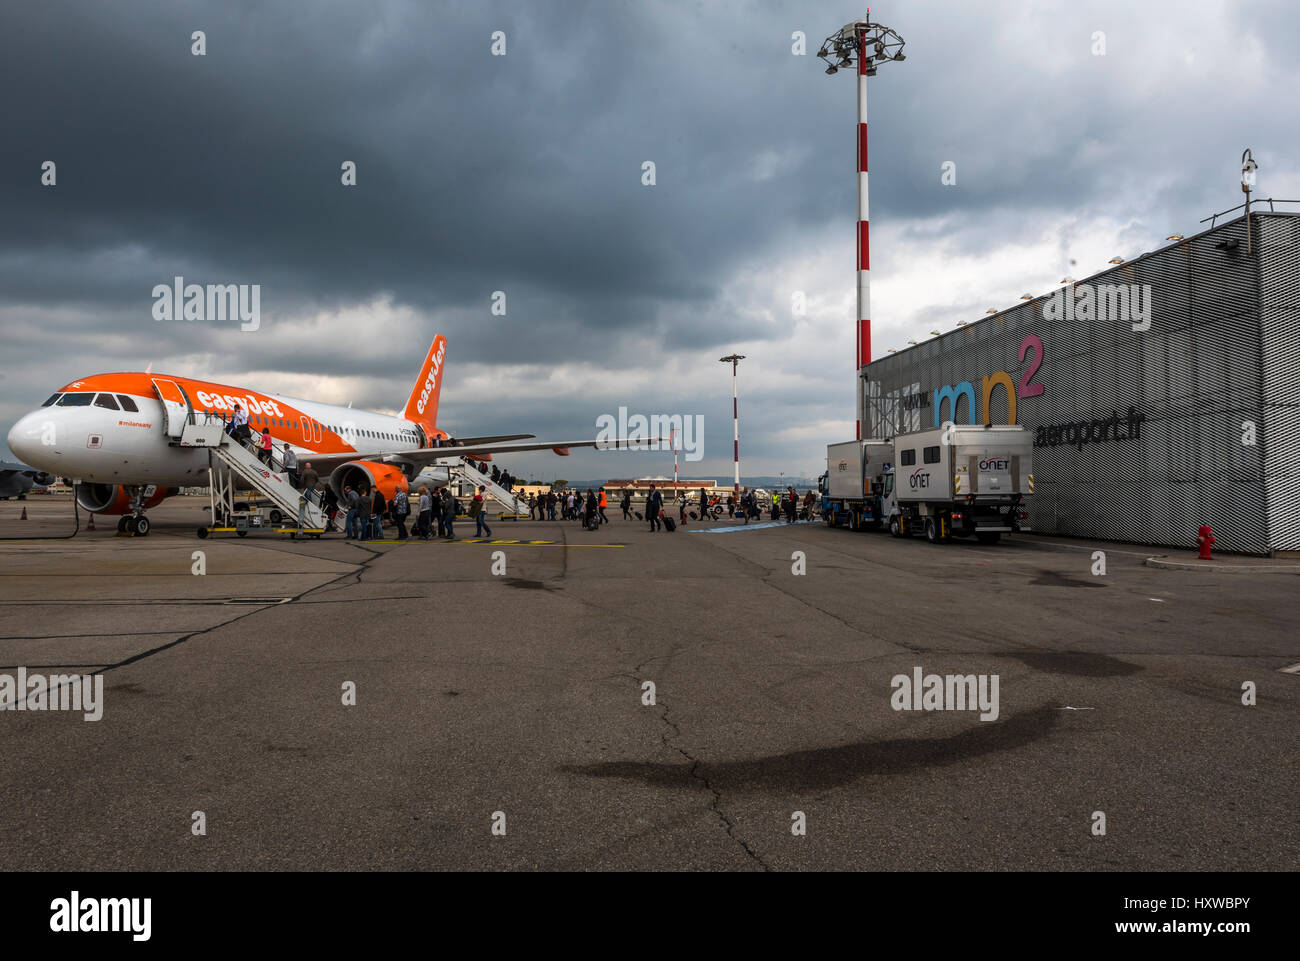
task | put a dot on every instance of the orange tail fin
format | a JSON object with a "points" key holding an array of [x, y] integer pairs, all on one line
{"points": [[422, 407]]}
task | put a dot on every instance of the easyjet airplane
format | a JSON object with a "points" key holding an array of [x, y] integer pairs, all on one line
{"points": [[113, 434]]}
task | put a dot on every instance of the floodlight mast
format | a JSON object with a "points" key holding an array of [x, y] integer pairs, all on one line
{"points": [[866, 44]]}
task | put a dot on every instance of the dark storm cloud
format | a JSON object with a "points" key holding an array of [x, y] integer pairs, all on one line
{"points": [[523, 173]]}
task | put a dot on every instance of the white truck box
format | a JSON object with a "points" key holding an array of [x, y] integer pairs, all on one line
{"points": [[852, 465]]}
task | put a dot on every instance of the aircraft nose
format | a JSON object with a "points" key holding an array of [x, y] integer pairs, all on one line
{"points": [[25, 439]]}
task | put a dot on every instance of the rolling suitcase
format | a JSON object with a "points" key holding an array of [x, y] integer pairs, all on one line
{"points": [[670, 525]]}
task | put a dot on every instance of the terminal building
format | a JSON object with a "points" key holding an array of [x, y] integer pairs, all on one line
{"points": [[1163, 393]]}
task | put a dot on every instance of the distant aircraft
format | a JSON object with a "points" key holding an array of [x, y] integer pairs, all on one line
{"points": [[17, 479], [115, 434]]}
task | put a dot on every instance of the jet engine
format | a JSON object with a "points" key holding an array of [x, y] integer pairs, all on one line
{"points": [[116, 499]]}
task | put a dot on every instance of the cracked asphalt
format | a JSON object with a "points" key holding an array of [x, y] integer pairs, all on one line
{"points": [[526, 693]]}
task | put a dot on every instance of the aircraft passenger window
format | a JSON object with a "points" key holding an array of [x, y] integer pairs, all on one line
{"points": [[932, 455], [128, 404], [908, 458], [53, 398], [295, 425], [106, 401], [76, 400]]}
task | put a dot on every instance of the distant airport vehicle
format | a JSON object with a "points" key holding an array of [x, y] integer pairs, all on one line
{"points": [[955, 481], [853, 483], [129, 440], [17, 479]]}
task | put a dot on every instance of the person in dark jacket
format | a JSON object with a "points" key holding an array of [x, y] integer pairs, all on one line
{"points": [[448, 513], [704, 505], [626, 504], [377, 508], [654, 503]]}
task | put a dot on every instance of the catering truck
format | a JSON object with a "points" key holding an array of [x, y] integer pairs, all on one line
{"points": [[853, 483], [959, 481]]}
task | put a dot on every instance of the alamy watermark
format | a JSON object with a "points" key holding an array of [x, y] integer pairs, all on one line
{"points": [[182, 301], [652, 432], [1117, 303], [55, 692], [946, 692]]}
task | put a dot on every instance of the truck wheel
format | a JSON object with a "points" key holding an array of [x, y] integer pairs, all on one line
{"points": [[932, 530], [895, 528], [990, 538], [275, 517]]}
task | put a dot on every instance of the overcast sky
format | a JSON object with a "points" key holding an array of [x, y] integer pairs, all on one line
{"points": [[522, 173]]}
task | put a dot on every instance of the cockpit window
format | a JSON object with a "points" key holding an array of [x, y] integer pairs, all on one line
{"points": [[53, 398], [76, 400], [128, 404], [106, 401]]}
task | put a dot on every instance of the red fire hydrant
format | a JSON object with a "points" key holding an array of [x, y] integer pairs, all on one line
{"points": [[1206, 540]]}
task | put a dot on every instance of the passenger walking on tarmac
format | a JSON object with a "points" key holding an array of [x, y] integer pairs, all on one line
{"points": [[449, 513], [351, 499], [791, 499], [264, 454], [532, 506], [551, 501], [399, 510], [310, 481], [437, 512], [377, 508], [478, 511], [704, 504], [681, 509], [654, 503], [363, 513], [731, 505], [603, 504], [592, 507], [626, 504], [424, 521], [290, 461]]}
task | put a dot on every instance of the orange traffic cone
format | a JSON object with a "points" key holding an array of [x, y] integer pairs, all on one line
{"points": [[24, 517]]}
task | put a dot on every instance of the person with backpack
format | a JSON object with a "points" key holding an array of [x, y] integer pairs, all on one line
{"points": [[478, 511], [399, 510]]}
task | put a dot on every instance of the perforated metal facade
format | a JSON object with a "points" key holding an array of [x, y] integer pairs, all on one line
{"points": [[1142, 435]]}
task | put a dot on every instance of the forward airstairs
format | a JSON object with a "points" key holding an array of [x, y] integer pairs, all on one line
{"points": [[231, 460]]}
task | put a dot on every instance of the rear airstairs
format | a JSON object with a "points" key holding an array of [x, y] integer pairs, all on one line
{"points": [[467, 473], [230, 460]]}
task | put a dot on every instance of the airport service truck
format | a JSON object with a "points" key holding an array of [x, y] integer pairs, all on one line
{"points": [[954, 481], [960, 481], [854, 482]]}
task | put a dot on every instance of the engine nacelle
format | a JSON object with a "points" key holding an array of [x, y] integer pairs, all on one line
{"points": [[370, 474], [116, 499]]}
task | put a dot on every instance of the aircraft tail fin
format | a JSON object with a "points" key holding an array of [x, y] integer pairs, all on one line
{"points": [[422, 406]]}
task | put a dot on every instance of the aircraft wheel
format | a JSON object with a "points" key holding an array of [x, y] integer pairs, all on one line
{"points": [[121, 524], [203, 533], [142, 526], [241, 533]]}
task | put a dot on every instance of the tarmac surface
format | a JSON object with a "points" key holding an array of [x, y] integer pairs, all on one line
{"points": [[522, 693]]}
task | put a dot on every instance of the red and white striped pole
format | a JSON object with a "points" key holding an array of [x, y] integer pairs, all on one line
{"points": [[864, 246], [735, 360]]}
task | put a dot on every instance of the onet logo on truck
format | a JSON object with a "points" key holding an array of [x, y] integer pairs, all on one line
{"points": [[920, 478], [995, 463]]}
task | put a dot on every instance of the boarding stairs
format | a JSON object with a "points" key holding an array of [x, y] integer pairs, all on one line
{"points": [[467, 473], [239, 459]]}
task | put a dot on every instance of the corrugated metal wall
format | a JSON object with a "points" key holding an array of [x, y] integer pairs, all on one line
{"points": [[1206, 365]]}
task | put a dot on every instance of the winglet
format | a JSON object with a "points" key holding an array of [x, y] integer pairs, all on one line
{"points": [[422, 406]]}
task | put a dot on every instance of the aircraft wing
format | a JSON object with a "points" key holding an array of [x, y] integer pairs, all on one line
{"points": [[432, 456]]}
